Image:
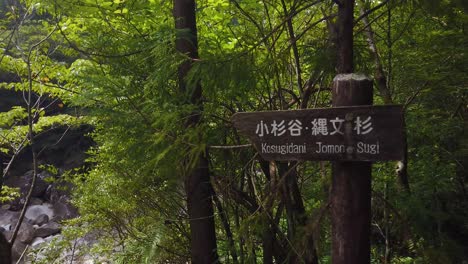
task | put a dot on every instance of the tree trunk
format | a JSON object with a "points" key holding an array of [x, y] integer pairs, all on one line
{"points": [[227, 228], [384, 90], [5, 250], [197, 182], [345, 36], [351, 181], [351, 184], [296, 217], [379, 74]]}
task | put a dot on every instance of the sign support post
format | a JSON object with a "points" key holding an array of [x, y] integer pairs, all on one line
{"points": [[351, 183], [352, 134]]}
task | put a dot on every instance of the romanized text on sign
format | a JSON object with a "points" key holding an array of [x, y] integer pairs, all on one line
{"points": [[368, 133]]}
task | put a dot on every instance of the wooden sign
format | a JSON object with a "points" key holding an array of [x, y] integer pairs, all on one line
{"points": [[358, 133]]}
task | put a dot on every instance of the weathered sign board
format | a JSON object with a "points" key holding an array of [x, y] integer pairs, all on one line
{"points": [[357, 133]]}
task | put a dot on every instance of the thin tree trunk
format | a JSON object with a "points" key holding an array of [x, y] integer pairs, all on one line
{"points": [[5, 245], [197, 182], [292, 40], [227, 228], [382, 82], [297, 218], [30, 138], [268, 235], [379, 74], [2, 238], [267, 244]]}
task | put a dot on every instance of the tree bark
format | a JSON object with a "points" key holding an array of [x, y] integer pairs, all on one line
{"points": [[351, 181], [351, 184], [382, 82], [379, 74], [227, 228], [197, 182], [296, 217], [345, 36]]}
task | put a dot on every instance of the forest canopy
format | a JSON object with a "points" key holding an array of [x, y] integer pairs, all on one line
{"points": [[159, 91]]}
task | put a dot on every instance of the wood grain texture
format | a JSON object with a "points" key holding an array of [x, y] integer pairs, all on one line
{"points": [[350, 193], [387, 132]]}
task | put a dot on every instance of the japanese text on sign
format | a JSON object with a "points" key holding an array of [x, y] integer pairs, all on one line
{"points": [[359, 133], [317, 127]]}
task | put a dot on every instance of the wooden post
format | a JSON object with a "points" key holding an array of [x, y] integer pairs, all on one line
{"points": [[351, 181], [351, 184]]}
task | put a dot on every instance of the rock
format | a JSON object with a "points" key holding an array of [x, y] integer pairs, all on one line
{"points": [[57, 191], [40, 220], [24, 183], [65, 148], [35, 201], [87, 259], [26, 233], [56, 238], [9, 97], [17, 249], [64, 210], [37, 241], [48, 229], [40, 186], [8, 217], [34, 211], [5, 228], [52, 193], [8, 234]]}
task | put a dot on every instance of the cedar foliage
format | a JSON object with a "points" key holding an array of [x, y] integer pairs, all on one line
{"points": [[117, 61]]}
